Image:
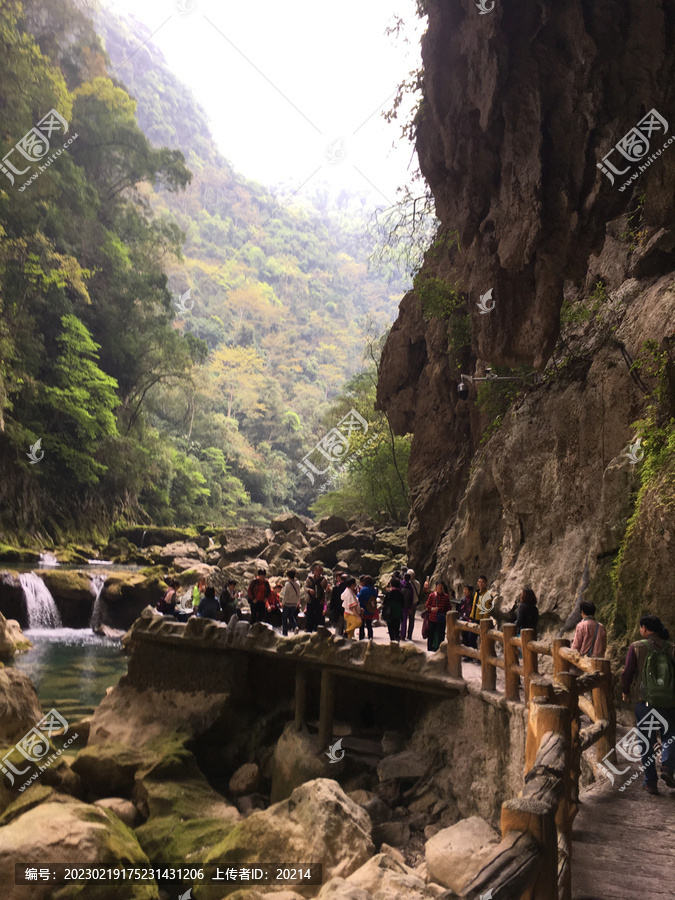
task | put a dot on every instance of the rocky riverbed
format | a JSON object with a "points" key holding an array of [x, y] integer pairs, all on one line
{"points": [[194, 758]]}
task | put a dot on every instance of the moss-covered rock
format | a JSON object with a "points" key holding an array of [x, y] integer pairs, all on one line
{"points": [[67, 831], [143, 536], [318, 823], [125, 595], [12, 639], [18, 554]]}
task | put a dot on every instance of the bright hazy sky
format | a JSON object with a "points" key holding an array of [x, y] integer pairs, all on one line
{"points": [[304, 76]]}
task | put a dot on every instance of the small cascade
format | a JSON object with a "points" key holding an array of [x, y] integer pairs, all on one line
{"points": [[97, 583], [40, 606], [47, 559], [143, 539]]}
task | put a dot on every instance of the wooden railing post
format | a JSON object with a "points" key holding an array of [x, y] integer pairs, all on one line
{"points": [[511, 678], [569, 806], [326, 708], [559, 664], [603, 704], [487, 649], [538, 819], [300, 696], [453, 638], [530, 663]]}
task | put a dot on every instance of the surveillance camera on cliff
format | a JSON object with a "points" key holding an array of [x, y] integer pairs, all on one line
{"points": [[463, 391]]}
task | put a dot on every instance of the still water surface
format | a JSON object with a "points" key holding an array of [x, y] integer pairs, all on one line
{"points": [[71, 668]]}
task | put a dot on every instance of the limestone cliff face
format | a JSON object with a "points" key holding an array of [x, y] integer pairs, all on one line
{"points": [[519, 106]]}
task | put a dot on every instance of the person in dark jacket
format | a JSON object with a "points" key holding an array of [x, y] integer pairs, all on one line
{"points": [[528, 613], [228, 602], [656, 719], [259, 591], [209, 608], [392, 609], [315, 589]]}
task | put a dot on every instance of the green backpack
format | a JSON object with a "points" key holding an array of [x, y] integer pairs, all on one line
{"points": [[658, 676]]}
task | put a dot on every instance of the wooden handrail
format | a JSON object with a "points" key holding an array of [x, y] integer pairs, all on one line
{"points": [[533, 860]]}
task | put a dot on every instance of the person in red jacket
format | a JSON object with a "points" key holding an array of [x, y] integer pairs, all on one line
{"points": [[438, 604], [259, 591]]}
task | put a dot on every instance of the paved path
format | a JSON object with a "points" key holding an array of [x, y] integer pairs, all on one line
{"points": [[623, 843]]}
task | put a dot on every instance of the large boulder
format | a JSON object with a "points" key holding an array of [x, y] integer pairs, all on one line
{"points": [[125, 595], [288, 522], [18, 554], [392, 543], [73, 594], [297, 759], [20, 708], [64, 830], [386, 876], [12, 604], [317, 822], [12, 639], [245, 541], [144, 537], [181, 550], [455, 855], [331, 525], [330, 550], [406, 765]]}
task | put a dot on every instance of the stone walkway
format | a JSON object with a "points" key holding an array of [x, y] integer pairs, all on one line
{"points": [[623, 842]]}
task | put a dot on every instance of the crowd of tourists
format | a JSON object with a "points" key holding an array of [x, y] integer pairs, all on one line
{"points": [[351, 607]]}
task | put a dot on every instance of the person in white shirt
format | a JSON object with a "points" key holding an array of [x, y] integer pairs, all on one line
{"points": [[352, 608], [290, 603]]}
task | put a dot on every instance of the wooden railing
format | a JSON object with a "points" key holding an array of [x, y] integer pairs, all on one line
{"points": [[533, 860]]}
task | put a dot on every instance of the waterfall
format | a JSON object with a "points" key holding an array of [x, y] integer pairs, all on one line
{"points": [[40, 606], [97, 583], [143, 539], [47, 559]]}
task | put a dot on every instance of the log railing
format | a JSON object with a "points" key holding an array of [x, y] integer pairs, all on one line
{"points": [[533, 860]]}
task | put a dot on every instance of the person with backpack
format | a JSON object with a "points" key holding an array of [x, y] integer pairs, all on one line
{"points": [[367, 598], [290, 603], [259, 591], [590, 637], [652, 659]]}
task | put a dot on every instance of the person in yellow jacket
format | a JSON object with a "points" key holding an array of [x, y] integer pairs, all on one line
{"points": [[483, 601]]}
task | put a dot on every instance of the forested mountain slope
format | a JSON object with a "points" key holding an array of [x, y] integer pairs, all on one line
{"points": [[143, 411]]}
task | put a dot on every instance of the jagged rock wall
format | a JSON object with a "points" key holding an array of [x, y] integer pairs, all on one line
{"points": [[518, 107]]}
